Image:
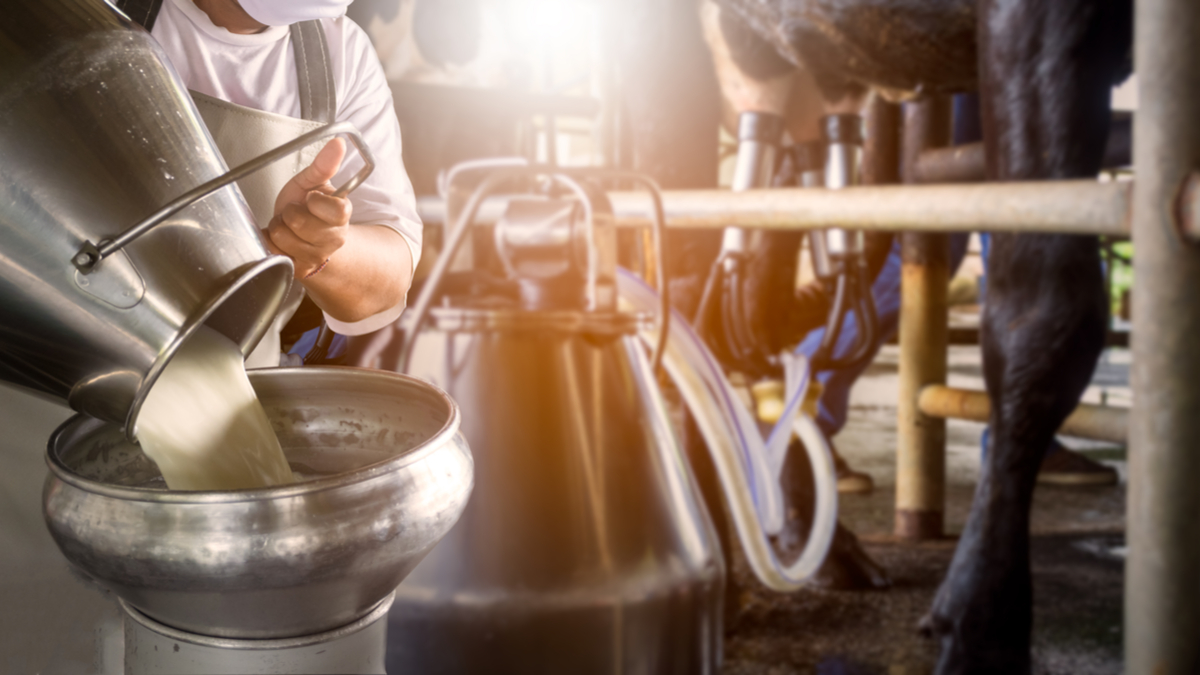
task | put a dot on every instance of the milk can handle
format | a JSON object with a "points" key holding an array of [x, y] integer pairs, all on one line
{"points": [[90, 255]]}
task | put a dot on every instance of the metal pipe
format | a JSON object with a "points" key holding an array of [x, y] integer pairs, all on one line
{"points": [[1162, 587], [1102, 423], [924, 338], [1067, 207], [1073, 207], [956, 164], [967, 163]]}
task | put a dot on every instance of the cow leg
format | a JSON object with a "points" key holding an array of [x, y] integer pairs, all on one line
{"points": [[1043, 329], [1046, 72]]}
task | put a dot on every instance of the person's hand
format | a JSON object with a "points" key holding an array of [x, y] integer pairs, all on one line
{"points": [[310, 224]]}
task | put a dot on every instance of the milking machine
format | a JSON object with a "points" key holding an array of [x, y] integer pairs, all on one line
{"points": [[759, 138], [837, 254], [585, 548], [121, 233]]}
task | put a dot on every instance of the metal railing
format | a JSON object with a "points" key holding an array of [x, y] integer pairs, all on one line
{"points": [[1066, 207]]}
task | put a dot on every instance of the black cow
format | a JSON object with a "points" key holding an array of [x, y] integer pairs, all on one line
{"points": [[1044, 70]]}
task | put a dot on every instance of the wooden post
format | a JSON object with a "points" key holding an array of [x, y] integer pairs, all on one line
{"points": [[921, 440]]}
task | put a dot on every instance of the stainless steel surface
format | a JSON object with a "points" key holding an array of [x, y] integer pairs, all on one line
{"points": [[1162, 588], [600, 270], [758, 145], [557, 248], [754, 166], [818, 248], [843, 163], [1103, 423], [97, 131], [541, 238], [278, 562], [358, 648], [90, 255], [585, 547]]}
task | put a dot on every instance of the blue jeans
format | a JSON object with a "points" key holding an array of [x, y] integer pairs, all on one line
{"points": [[835, 400], [306, 342]]}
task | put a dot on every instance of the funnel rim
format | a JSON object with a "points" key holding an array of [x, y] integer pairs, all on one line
{"points": [[245, 276], [436, 442]]}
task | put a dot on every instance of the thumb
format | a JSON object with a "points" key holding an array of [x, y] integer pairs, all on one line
{"points": [[323, 168]]}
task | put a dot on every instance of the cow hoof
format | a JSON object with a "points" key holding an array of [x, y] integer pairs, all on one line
{"points": [[930, 628], [849, 568]]}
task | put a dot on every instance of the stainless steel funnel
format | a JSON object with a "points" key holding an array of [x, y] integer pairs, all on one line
{"points": [[96, 133], [389, 475]]}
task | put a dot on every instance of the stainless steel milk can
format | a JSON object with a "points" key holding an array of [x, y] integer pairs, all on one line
{"points": [[97, 133]]}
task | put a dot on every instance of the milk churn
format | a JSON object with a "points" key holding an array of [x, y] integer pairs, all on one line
{"points": [[585, 547], [121, 230]]}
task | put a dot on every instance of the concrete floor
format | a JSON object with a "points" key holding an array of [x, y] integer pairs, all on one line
{"points": [[1077, 574]]}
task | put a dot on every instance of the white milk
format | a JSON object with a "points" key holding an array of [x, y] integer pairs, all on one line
{"points": [[202, 423]]}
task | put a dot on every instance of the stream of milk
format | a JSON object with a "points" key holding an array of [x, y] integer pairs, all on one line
{"points": [[202, 423]]}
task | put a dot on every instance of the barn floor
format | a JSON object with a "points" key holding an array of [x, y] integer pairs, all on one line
{"points": [[1078, 535]]}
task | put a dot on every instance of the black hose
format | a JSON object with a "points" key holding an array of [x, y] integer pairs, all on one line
{"points": [[822, 359], [733, 320], [715, 276], [867, 316], [858, 288], [320, 348], [864, 316], [740, 334]]}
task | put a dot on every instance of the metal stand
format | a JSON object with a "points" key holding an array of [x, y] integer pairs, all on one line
{"points": [[1162, 588], [924, 335], [154, 649]]}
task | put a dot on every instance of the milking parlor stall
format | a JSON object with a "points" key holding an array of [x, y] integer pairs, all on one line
{"points": [[676, 336]]}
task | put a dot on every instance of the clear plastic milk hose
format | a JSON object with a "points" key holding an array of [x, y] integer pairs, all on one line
{"points": [[748, 467]]}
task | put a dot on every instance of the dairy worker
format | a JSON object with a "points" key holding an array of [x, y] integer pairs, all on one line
{"points": [[263, 72]]}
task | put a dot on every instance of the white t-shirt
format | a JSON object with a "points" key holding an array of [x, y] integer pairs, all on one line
{"points": [[259, 71]]}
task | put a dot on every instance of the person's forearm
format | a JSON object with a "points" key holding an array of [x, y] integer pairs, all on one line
{"points": [[371, 273]]}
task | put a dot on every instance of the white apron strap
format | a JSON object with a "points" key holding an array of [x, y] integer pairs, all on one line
{"points": [[314, 72]]}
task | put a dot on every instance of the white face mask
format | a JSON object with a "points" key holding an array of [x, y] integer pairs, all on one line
{"points": [[288, 12]]}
